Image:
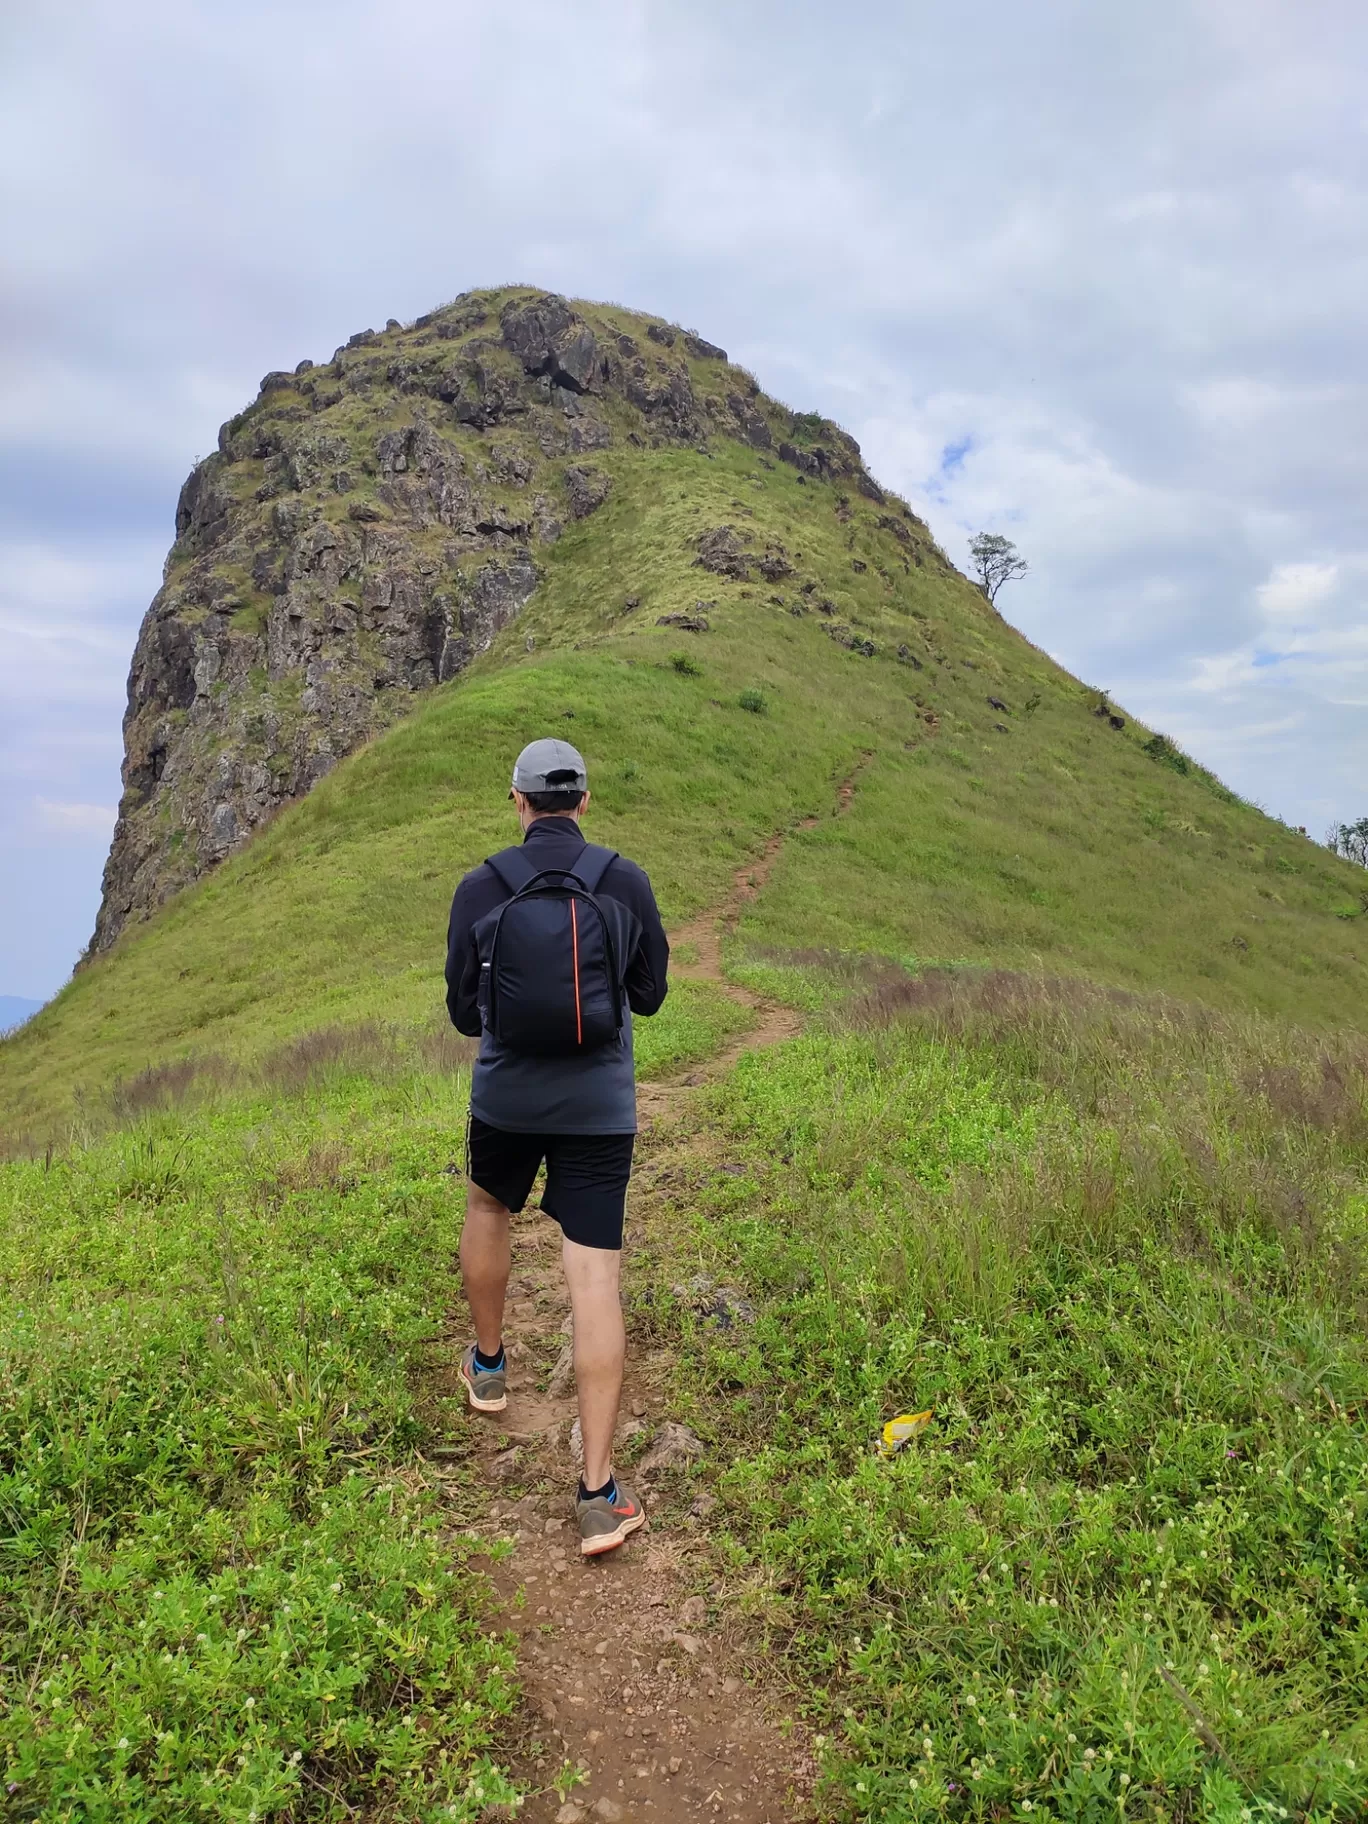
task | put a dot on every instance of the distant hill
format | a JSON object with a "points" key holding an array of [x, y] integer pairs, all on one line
{"points": [[522, 515], [14, 1010]]}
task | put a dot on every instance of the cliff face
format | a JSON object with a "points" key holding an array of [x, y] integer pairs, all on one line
{"points": [[365, 529]]}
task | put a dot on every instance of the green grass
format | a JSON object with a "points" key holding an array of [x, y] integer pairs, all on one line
{"points": [[224, 1588], [1116, 1240], [1061, 844], [1120, 1252]]}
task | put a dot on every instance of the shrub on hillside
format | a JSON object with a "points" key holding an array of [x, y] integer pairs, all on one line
{"points": [[1167, 753], [1351, 841]]}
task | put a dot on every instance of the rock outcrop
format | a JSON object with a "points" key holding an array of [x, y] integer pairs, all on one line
{"points": [[366, 528]]}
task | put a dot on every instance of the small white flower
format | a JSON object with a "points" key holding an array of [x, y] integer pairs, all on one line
{"points": [[123, 1741], [335, 1588], [250, 1704]]}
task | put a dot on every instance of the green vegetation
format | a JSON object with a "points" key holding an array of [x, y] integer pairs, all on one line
{"points": [[224, 1591], [1057, 844], [1119, 1251], [220, 1594], [1106, 1217]]}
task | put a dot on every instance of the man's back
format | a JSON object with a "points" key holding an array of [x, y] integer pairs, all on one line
{"points": [[591, 1093], [574, 1114]]}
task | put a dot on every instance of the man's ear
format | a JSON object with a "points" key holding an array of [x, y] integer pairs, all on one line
{"points": [[583, 806]]}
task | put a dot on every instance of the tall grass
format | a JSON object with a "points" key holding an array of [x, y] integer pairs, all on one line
{"points": [[1120, 1249]]}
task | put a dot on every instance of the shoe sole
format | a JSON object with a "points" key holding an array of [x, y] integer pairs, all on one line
{"points": [[478, 1404], [609, 1542]]}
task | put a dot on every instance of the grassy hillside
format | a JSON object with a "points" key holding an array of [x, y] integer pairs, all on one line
{"points": [[1121, 1254], [1037, 834], [1070, 1152]]}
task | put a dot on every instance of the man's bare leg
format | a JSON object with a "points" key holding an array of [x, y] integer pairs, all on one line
{"points": [[484, 1266], [594, 1276]]}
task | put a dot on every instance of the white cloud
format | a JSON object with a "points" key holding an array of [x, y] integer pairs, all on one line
{"points": [[1294, 590]]}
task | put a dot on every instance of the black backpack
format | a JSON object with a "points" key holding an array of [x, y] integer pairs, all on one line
{"points": [[551, 957]]}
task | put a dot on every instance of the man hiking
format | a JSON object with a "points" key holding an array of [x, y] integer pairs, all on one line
{"points": [[552, 947]]}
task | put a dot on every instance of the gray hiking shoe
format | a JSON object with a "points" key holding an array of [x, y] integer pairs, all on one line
{"points": [[605, 1524], [487, 1387]]}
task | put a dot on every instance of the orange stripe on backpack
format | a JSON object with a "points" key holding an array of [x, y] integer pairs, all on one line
{"points": [[574, 952]]}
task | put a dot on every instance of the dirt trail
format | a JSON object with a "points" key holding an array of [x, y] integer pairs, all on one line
{"points": [[624, 1670]]}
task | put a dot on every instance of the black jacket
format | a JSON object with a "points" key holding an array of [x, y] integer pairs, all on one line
{"points": [[594, 1094]]}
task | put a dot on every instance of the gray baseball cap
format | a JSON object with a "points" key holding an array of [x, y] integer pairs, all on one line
{"points": [[549, 765]]}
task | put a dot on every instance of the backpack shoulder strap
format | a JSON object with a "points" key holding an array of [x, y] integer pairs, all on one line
{"points": [[512, 867], [593, 863]]}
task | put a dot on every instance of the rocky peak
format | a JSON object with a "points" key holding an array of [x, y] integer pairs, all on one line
{"points": [[365, 529]]}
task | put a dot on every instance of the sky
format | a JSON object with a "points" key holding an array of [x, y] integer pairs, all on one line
{"points": [[1088, 275]]}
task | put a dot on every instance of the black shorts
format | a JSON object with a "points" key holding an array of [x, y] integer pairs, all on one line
{"points": [[586, 1177]]}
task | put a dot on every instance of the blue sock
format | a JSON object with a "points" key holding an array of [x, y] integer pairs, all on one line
{"points": [[488, 1364], [597, 1494]]}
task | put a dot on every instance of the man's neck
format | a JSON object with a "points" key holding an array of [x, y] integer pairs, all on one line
{"points": [[557, 819]]}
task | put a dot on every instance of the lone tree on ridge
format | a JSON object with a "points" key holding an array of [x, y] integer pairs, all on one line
{"points": [[1350, 840], [995, 562]]}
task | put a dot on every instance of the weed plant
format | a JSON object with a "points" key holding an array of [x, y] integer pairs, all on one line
{"points": [[1121, 1251], [224, 1592]]}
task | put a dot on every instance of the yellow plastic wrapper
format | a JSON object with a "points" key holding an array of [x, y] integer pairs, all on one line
{"points": [[899, 1432]]}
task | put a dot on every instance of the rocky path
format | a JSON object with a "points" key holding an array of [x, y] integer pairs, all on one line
{"points": [[632, 1685]]}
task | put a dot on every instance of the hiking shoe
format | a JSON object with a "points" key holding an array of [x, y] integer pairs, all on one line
{"points": [[487, 1387], [604, 1523]]}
